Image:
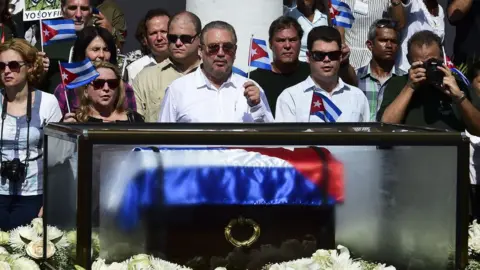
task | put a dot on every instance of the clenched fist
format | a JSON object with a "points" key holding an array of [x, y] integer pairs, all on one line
{"points": [[252, 93]]}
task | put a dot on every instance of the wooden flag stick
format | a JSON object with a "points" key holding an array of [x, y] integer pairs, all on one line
{"points": [[249, 56], [41, 34], [64, 87]]}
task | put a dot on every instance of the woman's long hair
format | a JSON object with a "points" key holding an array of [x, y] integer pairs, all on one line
{"points": [[85, 37], [84, 110]]}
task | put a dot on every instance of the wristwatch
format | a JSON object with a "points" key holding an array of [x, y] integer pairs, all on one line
{"points": [[460, 99]]}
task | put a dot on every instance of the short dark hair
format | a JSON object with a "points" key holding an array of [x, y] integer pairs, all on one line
{"points": [[424, 37], [379, 24], [284, 22], [141, 31], [218, 25], [85, 37], [152, 13], [324, 33], [197, 23]]}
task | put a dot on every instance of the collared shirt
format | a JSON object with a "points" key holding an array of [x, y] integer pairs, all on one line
{"points": [[294, 104], [150, 85], [135, 67], [193, 98], [319, 19], [74, 102], [44, 110], [374, 88]]}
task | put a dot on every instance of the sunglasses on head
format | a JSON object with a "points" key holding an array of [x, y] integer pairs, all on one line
{"points": [[320, 56], [100, 83], [185, 39], [14, 66], [382, 23], [214, 48]]}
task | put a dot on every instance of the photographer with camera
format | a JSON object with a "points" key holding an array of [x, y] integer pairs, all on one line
{"points": [[429, 95], [24, 111]]}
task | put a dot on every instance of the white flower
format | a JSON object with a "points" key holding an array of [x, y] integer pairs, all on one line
{"points": [[381, 266], [24, 264], [300, 264], [4, 237], [20, 236], [37, 225], [117, 266], [34, 249], [71, 237], [220, 268], [159, 264], [139, 262], [474, 237], [99, 264], [5, 266], [3, 251]]}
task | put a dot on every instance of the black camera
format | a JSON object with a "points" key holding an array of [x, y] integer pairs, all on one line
{"points": [[434, 75], [13, 170]]}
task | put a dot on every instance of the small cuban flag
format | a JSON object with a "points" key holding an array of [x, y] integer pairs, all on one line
{"points": [[324, 108], [77, 74], [57, 31], [259, 54], [457, 72], [341, 14]]}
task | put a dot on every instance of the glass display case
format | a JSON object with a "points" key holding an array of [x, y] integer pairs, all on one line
{"points": [[201, 194]]}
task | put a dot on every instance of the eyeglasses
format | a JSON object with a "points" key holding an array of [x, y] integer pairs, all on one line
{"points": [[100, 83], [14, 66], [320, 56], [214, 48], [185, 39], [82, 8], [385, 23]]}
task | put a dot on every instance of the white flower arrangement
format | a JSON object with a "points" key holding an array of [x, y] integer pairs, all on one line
{"points": [[474, 238]]}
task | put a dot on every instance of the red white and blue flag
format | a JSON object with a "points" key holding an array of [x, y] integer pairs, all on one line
{"points": [[77, 74], [324, 108], [57, 31], [454, 69], [259, 54], [341, 14], [307, 176]]}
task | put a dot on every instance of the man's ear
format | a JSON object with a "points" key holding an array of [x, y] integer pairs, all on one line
{"points": [[308, 57], [369, 44]]}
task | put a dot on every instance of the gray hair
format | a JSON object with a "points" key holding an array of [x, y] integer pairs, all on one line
{"points": [[218, 25], [380, 23]]}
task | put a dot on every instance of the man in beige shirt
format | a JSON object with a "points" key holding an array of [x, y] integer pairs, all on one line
{"points": [[183, 43]]}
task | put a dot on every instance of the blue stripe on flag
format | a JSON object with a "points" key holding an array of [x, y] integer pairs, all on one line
{"points": [[59, 40], [57, 22], [239, 72], [261, 65], [321, 115], [330, 104], [460, 74], [260, 41]]}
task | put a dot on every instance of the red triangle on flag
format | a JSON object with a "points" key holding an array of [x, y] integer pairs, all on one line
{"points": [[257, 52], [317, 104], [67, 76], [48, 32]]}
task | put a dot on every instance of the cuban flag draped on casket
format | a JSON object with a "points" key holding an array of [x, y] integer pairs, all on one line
{"points": [[165, 177]]}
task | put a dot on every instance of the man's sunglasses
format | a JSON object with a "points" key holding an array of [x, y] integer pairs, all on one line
{"points": [[82, 8], [214, 48], [320, 56], [14, 66], [386, 23], [100, 83], [185, 39]]}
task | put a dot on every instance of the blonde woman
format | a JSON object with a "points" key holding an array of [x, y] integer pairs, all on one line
{"points": [[24, 111], [103, 100]]}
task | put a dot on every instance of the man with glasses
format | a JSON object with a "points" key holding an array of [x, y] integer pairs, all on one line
{"points": [[213, 93], [373, 78], [323, 96], [155, 28], [183, 43]]}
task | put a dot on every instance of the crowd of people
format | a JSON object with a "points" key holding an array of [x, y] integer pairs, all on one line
{"points": [[390, 66]]}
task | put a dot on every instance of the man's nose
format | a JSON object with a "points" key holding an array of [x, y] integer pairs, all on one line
{"points": [[78, 13]]}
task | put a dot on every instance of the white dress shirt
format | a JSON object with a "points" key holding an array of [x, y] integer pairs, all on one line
{"points": [[193, 98], [293, 104], [319, 19], [136, 66]]}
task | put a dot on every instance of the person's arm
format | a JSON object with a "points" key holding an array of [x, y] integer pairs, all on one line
{"points": [[257, 103], [397, 12], [168, 109], [347, 74], [395, 112], [285, 109], [120, 27], [457, 9], [140, 93]]}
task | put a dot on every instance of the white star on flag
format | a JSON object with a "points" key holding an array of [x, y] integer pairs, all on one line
{"points": [[253, 51], [64, 76], [46, 32], [317, 103]]}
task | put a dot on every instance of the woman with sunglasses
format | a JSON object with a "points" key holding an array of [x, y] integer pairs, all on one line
{"points": [[24, 111], [96, 44], [102, 100]]}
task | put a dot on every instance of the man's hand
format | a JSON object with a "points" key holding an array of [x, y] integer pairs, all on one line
{"points": [[103, 22], [40, 213], [416, 75], [252, 93], [450, 86], [45, 60], [345, 52], [70, 118]]}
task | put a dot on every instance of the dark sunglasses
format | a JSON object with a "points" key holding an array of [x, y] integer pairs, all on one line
{"points": [[386, 23], [320, 56], [14, 66], [214, 48], [185, 39], [100, 83], [82, 8]]}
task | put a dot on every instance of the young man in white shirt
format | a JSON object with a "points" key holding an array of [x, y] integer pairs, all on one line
{"points": [[213, 93], [323, 96]]}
